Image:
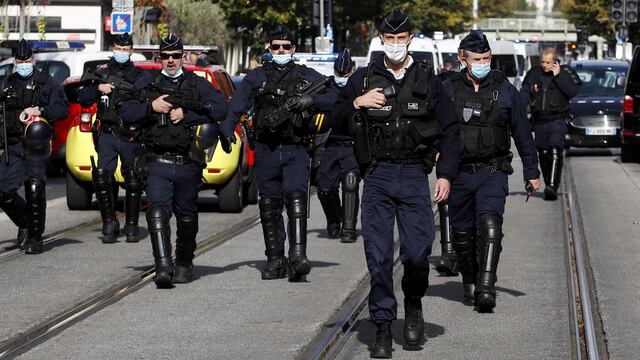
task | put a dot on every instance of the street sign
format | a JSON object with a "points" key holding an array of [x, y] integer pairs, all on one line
{"points": [[121, 22], [122, 5]]}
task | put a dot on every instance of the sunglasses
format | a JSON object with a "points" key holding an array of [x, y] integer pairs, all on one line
{"points": [[166, 56], [276, 47]]}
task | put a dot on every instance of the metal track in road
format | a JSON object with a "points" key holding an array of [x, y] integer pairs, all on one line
{"points": [[587, 329], [49, 328]]}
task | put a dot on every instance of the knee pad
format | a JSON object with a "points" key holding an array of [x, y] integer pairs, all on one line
{"points": [[158, 217], [351, 181], [34, 188], [296, 204], [266, 204], [327, 193], [101, 178], [462, 238], [490, 227], [132, 182]]}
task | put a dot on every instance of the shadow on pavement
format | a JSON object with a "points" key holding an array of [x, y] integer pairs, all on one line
{"points": [[366, 331], [452, 291], [60, 242]]}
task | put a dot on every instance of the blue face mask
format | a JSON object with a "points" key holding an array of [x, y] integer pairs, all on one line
{"points": [[24, 70], [178, 73], [120, 57], [340, 81], [480, 71], [281, 59]]}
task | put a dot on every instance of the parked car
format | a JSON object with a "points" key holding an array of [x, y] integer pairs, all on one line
{"points": [[504, 58], [630, 135], [420, 48], [595, 111], [230, 175]]}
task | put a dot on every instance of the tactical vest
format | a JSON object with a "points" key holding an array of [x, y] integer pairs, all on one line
{"points": [[20, 97], [485, 132], [107, 110], [273, 93], [172, 138], [407, 120], [548, 98]]}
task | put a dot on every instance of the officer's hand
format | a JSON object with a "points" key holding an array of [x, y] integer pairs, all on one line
{"points": [[536, 184], [372, 99], [27, 113], [105, 88], [441, 190], [176, 115], [556, 69], [226, 141], [536, 88], [304, 102], [161, 106]]}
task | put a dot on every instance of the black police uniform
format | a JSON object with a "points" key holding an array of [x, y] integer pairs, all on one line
{"points": [[338, 165], [174, 166], [489, 118], [113, 140], [24, 164], [549, 108], [282, 161]]}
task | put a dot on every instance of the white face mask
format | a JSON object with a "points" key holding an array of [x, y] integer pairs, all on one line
{"points": [[396, 53]]}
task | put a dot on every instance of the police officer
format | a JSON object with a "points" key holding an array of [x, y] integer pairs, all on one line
{"points": [[398, 111], [175, 160], [547, 89], [32, 100], [338, 166], [114, 139], [490, 112], [282, 161]]}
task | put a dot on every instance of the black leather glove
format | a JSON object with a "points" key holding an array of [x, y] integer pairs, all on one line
{"points": [[304, 102], [226, 141]]}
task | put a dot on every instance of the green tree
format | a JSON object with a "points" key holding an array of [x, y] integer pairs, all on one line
{"points": [[198, 22]]}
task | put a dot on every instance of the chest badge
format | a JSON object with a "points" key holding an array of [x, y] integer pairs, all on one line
{"points": [[413, 106], [467, 113]]}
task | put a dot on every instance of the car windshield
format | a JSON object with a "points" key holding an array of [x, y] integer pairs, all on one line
{"points": [[602, 82], [449, 60], [504, 63]]}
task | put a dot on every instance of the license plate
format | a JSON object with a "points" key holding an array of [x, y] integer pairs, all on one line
{"points": [[600, 131]]}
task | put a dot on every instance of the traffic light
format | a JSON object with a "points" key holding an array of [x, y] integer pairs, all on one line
{"points": [[631, 11], [328, 9], [617, 10]]}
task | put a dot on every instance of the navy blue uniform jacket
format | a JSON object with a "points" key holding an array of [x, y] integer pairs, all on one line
{"points": [[53, 100], [566, 81], [90, 93]]}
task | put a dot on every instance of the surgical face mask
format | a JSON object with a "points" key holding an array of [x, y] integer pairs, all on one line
{"points": [[480, 71], [24, 69], [462, 66], [178, 73], [120, 57], [281, 59], [340, 81], [396, 53]]}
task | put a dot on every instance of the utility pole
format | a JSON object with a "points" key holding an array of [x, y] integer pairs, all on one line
{"points": [[474, 14]]}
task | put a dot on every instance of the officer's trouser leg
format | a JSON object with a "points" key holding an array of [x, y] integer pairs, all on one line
{"points": [[14, 206], [330, 201], [448, 264], [36, 204], [133, 187], [463, 243], [555, 173], [299, 265], [185, 247], [103, 183], [489, 248], [160, 233], [270, 217], [350, 205]]}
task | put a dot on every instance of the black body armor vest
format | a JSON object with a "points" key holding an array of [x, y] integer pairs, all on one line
{"points": [[172, 138], [485, 132], [20, 96], [548, 98], [397, 130], [107, 110]]}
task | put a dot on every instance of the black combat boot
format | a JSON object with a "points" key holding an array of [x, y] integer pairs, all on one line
{"points": [[381, 348], [36, 206], [270, 217], [543, 159], [413, 320], [350, 204], [185, 247], [299, 265], [330, 202], [103, 183], [14, 206], [555, 173], [133, 187], [465, 248], [448, 264], [160, 233], [489, 248]]}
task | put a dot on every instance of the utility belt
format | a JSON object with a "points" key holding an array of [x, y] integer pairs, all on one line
{"points": [[169, 158], [549, 117], [288, 140], [334, 142], [412, 161], [502, 163]]}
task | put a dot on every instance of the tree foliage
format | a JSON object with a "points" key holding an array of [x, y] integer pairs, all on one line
{"points": [[197, 22]]}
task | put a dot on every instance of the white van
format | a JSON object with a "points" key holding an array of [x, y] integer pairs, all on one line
{"points": [[447, 52], [528, 55], [503, 58], [421, 48]]}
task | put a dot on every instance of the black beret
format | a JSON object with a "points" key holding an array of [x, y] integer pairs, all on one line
{"points": [[281, 33], [343, 63], [23, 52], [171, 43], [394, 23], [475, 42], [123, 40]]}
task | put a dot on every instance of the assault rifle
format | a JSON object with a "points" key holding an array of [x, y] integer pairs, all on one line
{"points": [[277, 117], [117, 82]]}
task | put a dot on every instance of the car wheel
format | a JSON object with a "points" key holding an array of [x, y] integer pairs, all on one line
{"points": [[230, 196], [79, 195], [251, 189], [628, 153]]}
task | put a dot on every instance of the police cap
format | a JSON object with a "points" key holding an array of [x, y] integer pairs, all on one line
{"points": [[394, 23], [123, 40], [475, 42], [343, 63], [171, 43], [281, 33], [23, 52]]}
